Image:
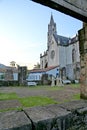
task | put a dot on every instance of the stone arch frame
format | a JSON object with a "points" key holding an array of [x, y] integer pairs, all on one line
{"points": [[63, 73]]}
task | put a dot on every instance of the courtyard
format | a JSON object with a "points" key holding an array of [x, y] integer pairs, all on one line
{"points": [[17, 98]]}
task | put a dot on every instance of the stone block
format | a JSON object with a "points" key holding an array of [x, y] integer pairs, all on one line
{"points": [[82, 63], [14, 120], [48, 118], [83, 71], [71, 106], [82, 78]]}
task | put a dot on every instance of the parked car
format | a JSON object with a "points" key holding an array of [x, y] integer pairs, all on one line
{"points": [[66, 81], [32, 83], [76, 81]]}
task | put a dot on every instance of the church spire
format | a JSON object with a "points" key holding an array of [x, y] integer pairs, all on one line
{"points": [[51, 30], [51, 20]]}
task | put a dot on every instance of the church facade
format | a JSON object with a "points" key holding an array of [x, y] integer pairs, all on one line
{"points": [[62, 52]]}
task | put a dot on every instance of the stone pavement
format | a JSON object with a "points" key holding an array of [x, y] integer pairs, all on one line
{"points": [[8, 104]]}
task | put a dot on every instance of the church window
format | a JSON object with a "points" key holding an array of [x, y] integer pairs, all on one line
{"points": [[52, 42], [52, 54], [42, 64], [73, 55]]}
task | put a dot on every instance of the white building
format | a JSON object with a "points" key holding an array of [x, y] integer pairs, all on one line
{"points": [[63, 52], [35, 75]]}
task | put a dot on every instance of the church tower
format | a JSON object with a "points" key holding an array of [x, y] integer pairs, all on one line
{"points": [[51, 30]]}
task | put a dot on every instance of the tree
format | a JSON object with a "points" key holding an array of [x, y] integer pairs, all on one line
{"points": [[37, 66]]}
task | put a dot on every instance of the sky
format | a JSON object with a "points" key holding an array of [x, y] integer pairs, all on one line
{"points": [[23, 30]]}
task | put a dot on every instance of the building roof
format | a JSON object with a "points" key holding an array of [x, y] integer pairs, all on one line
{"points": [[3, 66], [61, 39], [42, 70], [64, 41], [74, 39]]}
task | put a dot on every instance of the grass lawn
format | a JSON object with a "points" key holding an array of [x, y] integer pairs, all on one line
{"points": [[75, 85], [26, 101], [76, 97], [37, 100], [8, 96]]}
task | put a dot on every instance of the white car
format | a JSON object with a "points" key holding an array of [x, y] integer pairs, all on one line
{"points": [[66, 81], [32, 83]]}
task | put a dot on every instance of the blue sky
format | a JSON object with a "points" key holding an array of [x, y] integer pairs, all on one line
{"points": [[23, 30]]}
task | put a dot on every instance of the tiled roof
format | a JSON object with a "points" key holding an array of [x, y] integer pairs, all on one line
{"points": [[43, 70], [50, 68], [36, 70]]}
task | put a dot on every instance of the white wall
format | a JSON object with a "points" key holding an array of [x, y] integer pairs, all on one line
{"points": [[55, 60], [53, 72], [62, 56], [69, 54], [34, 76], [15, 76]]}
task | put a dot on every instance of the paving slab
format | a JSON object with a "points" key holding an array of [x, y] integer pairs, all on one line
{"points": [[39, 113], [57, 110], [14, 120], [7, 104], [73, 105], [46, 118]]}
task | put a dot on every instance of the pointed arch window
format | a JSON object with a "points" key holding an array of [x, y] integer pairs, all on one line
{"points": [[73, 55]]}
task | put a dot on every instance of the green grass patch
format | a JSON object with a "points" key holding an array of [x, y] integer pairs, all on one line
{"points": [[75, 85], [26, 101], [55, 88], [76, 97], [36, 101], [8, 96], [45, 87], [11, 109]]}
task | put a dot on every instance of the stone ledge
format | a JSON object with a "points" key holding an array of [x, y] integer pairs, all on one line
{"points": [[52, 117], [14, 120]]}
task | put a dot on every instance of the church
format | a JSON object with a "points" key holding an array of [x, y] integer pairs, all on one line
{"points": [[62, 52]]}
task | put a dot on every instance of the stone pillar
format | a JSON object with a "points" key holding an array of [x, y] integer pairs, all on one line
{"points": [[83, 61], [53, 82], [59, 82]]}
